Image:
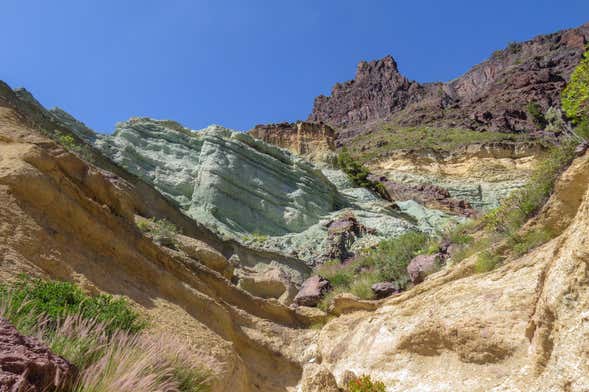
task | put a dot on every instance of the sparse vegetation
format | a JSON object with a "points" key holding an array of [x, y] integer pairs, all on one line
{"points": [[161, 231], [256, 237], [359, 173], [102, 336], [487, 261], [366, 384], [535, 111], [387, 262], [391, 257], [389, 138], [503, 224], [82, 150]]}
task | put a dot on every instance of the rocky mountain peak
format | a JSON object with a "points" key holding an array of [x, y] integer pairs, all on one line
{"points": [[492, 95]]}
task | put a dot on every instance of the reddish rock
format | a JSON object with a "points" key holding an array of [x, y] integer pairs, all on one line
{"points": [[492, 95], [384, 289], [422, 266], [429, 195], [27, 365], [313, 289], [342, 233]]}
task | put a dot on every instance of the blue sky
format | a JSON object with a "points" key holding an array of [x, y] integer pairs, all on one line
{"points": [[239, 63]]}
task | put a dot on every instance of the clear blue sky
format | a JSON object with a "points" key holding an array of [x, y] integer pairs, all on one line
{"points": [[238, 63]]}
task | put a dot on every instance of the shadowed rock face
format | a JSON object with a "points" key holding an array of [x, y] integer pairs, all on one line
{"points": [[491, 96]]}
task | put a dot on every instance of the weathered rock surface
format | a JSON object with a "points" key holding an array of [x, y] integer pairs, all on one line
{"points": [[224, 177], [314, 141], [27, 365], [521, 327], [347, 303], [313, 289], [205, 254], [480, 174], [63, 218], [317, 378], [271, 282], [384, 289], [422, 266], [491, 96]]}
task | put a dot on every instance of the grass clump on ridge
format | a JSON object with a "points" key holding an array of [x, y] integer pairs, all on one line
{"points": [[389, 138], [359, 173], [103, 336], [161, 231]]}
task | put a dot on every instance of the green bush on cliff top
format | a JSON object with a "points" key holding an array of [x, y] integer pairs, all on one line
{"points": [[575, 96]]}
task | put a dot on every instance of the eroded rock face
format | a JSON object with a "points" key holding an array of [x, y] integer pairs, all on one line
{"points": [[225, 177], [384, 289], [429, 195], [518, 328], [27, 365], [491, 96], [315, 141], [481, 174], [422, 266]]}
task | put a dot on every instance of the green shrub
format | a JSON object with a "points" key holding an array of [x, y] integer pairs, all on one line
{"points": [[530, 240], [487, 261], [81, 149], [535, 111], [160, 231], [361, 287], [28, 299], [391, 257], [366, 384], [575, 96], [358, 173]]}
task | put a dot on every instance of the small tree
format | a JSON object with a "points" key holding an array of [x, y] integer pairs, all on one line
{"points": [[575, 96]]}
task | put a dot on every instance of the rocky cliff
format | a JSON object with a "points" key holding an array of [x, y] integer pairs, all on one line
{"points": [[314, 141], [491, 96], [521, 327]]}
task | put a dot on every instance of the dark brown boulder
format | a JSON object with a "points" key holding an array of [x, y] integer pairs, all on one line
{"points": [[313, 289], [422, 266], [27, 365], [384, 289]]}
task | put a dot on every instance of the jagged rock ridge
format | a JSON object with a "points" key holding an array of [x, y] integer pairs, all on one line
{"points": [[491, 96]]}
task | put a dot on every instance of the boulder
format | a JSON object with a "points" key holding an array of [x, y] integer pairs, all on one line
{"points": [[422, 266], [348, 303], [317, 378], [313, 289], [270, 283], [206, 255], [26, 364], [384, 289]]}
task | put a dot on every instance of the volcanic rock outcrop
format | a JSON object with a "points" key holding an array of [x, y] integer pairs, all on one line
{"points": [[491, 96], [314, 141]]}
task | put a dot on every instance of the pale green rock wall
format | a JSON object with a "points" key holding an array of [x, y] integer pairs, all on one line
{"points": [[225, 177]]}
